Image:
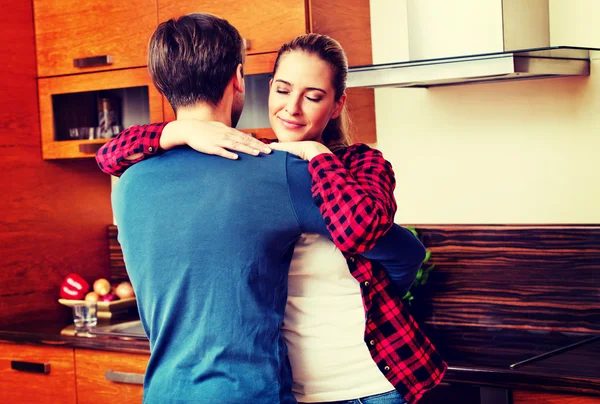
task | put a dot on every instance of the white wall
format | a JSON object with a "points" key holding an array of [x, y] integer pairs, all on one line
{"points": [[438, 29], [515, 152]]}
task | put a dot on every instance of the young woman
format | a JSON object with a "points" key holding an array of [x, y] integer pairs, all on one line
{"points": [[349, 337]]}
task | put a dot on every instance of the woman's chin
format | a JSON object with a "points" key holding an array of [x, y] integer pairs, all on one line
{"points": [[286, 135]]}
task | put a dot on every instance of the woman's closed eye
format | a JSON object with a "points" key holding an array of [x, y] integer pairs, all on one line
{"points": [[314, 98]]}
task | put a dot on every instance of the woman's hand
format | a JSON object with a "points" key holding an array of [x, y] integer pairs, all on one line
{"points": [[210, 138], [306, 150]]}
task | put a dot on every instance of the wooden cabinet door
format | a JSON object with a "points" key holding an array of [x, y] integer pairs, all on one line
{"points": [[81, 83], [72, 29], [33, 384], [110, 377], [267, 24]]}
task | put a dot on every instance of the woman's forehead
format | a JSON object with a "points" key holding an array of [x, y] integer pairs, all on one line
{"points": [[302, 68]]}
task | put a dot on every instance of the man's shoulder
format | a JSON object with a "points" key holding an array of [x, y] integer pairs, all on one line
{"points": [[184, 162]]}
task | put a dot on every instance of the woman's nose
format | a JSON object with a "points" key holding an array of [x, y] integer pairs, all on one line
{"points": [[293, 106]]}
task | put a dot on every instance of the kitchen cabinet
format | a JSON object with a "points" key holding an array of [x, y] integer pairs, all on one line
{"points": [[267, 24], [71, 102], [112, 377], [264, 24], [70, 32], [31, 374]]}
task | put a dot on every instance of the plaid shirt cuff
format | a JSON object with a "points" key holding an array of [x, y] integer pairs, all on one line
{"points": [[112, 158]]}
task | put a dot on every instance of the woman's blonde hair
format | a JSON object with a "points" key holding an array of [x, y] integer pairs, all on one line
{"points": [[336, 134]]}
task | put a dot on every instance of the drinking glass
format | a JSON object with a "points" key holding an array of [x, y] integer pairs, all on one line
{"points": [[85, 315]]}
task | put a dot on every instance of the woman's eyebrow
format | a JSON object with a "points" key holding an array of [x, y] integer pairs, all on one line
{"points": [[307, 89]]}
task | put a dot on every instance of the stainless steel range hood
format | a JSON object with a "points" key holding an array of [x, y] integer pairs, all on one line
{"points": [[547, 62]]}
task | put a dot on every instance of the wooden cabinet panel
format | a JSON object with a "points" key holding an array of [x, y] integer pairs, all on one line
{"points": [[267, 24], [92, 383], [47, 87], [23, 387], [361, 110], [347, 21], [537, 397], [70, 29]]}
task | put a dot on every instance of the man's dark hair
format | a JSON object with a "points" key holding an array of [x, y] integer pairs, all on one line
{"points": [[192, 58]]}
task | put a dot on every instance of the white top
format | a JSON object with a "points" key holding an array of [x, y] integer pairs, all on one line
{"points": [[324, 327]]}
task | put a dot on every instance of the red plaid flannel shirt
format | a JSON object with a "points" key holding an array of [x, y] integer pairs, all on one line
{"points": [[353, 189]]}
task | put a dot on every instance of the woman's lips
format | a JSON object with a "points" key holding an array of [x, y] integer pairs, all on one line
{"points": [[290, 124]]}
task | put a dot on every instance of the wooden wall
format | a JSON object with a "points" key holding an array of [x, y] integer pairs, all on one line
{"points": [[541, 278], [53, 215]]}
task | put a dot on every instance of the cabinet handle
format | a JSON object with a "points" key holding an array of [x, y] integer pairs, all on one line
{"points": [[247, 43], [31, 367], [93, 61], [124, 377]]}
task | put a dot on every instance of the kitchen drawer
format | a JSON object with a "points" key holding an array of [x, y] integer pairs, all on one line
{"points": [[267, 24], [56, 385], [96, 371], [66, 30]]}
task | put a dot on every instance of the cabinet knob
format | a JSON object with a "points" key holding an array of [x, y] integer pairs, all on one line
{"points": [[31, 367], [247, 43], [93, 61], [124, 377]]}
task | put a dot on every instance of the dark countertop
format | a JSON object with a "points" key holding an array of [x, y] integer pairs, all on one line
{"points": [[483, 356], [480, 356], [64, 335]]}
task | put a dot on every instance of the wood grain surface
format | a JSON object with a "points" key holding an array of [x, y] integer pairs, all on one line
{"points": [[541, 278], [535, 397], [70, 29], [92, 385], [266, 23], [37, 388], [53, 215]]}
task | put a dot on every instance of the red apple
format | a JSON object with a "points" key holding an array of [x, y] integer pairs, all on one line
{"points": [[109, 297]]}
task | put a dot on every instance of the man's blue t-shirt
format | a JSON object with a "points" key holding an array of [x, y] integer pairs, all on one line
{"points": [[207, 244]]}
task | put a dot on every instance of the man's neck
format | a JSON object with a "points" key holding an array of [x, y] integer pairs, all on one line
{"points": [[205, 112]]}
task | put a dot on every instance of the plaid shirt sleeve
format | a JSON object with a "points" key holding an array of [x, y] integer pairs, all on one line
{"points": [[354, 190], [144, 140]]}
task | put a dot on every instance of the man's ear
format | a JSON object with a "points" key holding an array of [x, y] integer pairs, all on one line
{"points": [[238, 83], [339, 107]]}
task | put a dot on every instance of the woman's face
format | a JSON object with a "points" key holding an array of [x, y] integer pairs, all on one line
{"points": [[302, 98]]}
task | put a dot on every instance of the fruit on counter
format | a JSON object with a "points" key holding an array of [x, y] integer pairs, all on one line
{"points": [[74, 287], [109, 297], [92, 297], [102, 287], [124, 290]]}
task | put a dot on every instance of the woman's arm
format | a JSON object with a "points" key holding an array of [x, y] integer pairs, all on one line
{"points": [[354, 190], [140, 142], [129, 147], [401, 254]]}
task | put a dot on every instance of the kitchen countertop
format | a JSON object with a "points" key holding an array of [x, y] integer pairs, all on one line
{"points": [[63, 335], [483, 356], [479, 356]]}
